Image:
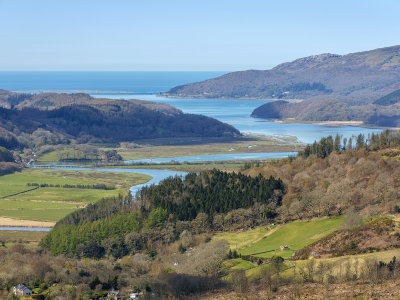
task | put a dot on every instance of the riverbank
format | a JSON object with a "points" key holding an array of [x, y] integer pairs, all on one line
{"points": [[204, 97], [332, 123]]}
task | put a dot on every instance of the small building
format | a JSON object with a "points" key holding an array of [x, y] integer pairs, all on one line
{"points": [[22, 290], [286, 247], [113, 295], [134, 296]]}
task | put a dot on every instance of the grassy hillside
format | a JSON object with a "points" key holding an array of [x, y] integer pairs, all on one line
{"points": [[377, 235], [296, 235]]}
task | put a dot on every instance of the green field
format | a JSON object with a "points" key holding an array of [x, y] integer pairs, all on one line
{"points": [[49, 156], [242, 239], [6, 204], [50, 176], [296, 235], [7, 190], [237, 264], [49, 215], [51, 203], [64, 194]]}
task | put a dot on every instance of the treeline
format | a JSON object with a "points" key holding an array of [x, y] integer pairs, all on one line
{"points": [[372, 142], [99, 186], [6, 155], [210, 192], [7, 162], [90, 239]]}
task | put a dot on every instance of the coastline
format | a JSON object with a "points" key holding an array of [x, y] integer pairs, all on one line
{"points": [[225, 98], [324, 123], [333, 123]]}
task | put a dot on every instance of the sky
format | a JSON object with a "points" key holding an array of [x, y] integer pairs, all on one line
{"points": [[187, 35]]}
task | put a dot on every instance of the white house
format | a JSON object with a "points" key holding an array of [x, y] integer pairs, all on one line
{"points": [[113, 295], [21, 290]]}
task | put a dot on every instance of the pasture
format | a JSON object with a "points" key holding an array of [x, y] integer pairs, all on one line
{"points": [[20, 201], [295, 235]]}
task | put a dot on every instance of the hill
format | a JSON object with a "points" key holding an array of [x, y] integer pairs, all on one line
{"points": [[50, 119], [357, 78], [377, 235], [327, 108]]}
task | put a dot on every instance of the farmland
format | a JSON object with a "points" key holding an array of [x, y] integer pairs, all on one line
{"points": [[21, 200]]}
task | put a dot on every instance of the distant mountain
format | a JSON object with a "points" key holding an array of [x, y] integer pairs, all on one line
{"points": [[50, 119], [356, 78]]}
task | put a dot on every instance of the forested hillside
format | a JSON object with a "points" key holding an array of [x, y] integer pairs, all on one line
{"points": [[51, 119], [196, 203], [330, 109], [331, 176], [356, 78], [392, 98]]}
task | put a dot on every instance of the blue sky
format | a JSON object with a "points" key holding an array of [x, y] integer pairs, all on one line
{"points": [[187, 35]]}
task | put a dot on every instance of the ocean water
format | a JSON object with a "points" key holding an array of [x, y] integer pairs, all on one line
{"points": [[131, 82], [148, 86]]}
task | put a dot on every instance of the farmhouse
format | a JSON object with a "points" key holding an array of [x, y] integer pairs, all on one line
{"points": [[113, 295], [21, 290]]}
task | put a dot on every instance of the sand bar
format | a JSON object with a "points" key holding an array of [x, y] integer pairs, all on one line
{"points": [[24, 223]]}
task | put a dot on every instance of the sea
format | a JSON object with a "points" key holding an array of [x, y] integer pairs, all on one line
{"points": [[149, 85]]}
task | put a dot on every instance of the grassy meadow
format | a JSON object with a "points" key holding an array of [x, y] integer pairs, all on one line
{"points": [[20, 201], [248, 146], [296, 235]]}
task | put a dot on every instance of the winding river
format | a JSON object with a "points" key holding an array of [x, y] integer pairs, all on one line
{"points": [[234, 112]]}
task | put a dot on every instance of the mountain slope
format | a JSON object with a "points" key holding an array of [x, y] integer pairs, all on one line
{"points": [[392, 98], [356, 78]]}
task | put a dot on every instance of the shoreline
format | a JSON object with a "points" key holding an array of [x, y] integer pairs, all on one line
{"points": [[226, 98], [333, 123]]}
